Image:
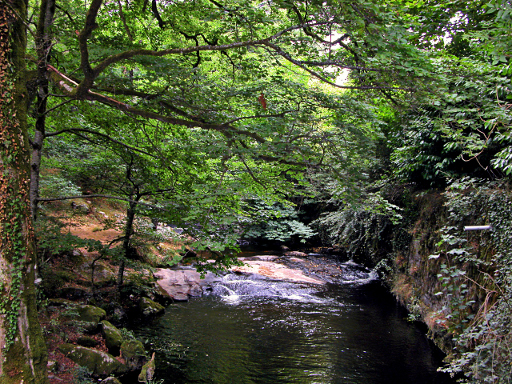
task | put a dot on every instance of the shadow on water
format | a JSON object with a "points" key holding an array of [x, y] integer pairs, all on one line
{"points": [[253, 330]]}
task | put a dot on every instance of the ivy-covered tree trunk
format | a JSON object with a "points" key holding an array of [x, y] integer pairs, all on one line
{"points": [[23, 353]]}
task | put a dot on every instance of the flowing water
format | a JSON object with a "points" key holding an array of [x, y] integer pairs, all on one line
{"points": [[253, 330]]}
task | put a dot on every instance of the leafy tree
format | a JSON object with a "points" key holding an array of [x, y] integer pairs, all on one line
{"points": [[204, 72], [463, 126]]}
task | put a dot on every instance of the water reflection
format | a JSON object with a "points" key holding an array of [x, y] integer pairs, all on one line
{"points": [[288, 333]]}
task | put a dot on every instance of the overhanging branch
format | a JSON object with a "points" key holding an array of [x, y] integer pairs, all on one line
{"points": [[70, 87], [50, 199]]}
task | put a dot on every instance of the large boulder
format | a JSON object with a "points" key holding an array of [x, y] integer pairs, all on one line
{"points": [[98, 362], [113, 337], [90, 313], [134, 355], [181, 284]]}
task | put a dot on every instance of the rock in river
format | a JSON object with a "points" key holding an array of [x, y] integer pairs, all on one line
{"points": [[181, 284]]}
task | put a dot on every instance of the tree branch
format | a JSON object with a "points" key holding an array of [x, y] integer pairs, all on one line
{"points": [[107, 137], [70, 87], [83, 37], [49, 199], [288, 57]]}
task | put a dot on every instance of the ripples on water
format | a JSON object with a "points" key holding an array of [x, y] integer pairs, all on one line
{"points": [[254, 330]]}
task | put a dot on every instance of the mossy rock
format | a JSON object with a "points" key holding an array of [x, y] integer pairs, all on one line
{"points": [[86, 341], [91, 313], [98, 362], [113, 337], [148, 371], [86, 317], [149, 308], [134, 355]]}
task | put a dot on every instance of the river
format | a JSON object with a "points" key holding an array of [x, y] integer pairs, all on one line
{"points": [[251, 329]]}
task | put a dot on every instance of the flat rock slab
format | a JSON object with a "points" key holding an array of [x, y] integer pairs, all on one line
{"points": [[269, 267]]}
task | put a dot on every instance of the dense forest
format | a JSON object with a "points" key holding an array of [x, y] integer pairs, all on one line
{"points": [[378, 129]]}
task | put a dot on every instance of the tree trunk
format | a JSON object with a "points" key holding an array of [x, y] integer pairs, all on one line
{"points": [[23, 353], [128, 232], [43, 47]]}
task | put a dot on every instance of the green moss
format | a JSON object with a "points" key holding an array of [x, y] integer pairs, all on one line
{"points": [[98, 362], [134, 354], [149, 308], [113, 337]]}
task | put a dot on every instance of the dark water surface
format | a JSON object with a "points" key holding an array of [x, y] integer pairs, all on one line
{"points": [[258, 331]]}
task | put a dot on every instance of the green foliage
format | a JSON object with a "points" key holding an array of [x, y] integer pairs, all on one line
{"points": [[363, 230], [57, 186], [461, 127], [127, 334], [278, 222], [82, 375], [478, 266]]}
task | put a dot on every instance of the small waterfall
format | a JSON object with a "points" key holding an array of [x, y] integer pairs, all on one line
{"points": [[234, 288], [355, 274]]}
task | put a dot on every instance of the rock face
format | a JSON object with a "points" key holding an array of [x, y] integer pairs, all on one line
{"points": [[98, 362]]}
